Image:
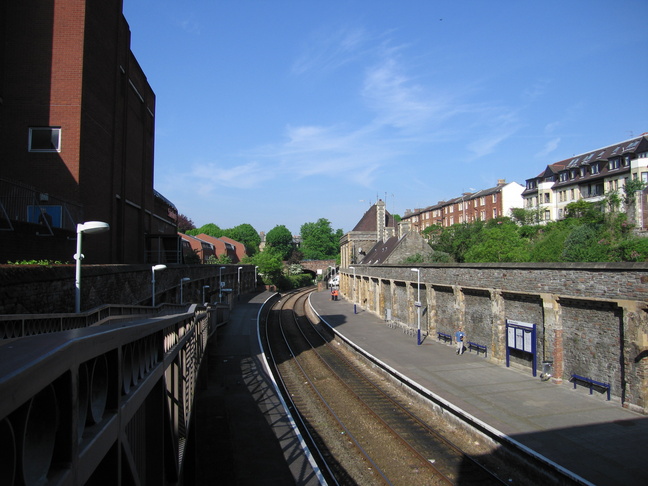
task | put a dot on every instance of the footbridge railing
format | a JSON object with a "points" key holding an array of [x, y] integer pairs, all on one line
{"points": [[109, 404]]}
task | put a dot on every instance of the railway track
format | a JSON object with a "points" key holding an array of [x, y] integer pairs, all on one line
{"points": [[360, 432]]}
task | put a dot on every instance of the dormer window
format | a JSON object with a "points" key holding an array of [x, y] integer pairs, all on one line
{"points": [[572, 174], [583, 171], [594, 168], [563, 177], [614, 164]]}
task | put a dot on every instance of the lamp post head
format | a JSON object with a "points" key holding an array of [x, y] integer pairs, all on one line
{"points": [[185, 279], [159, 267], [92, 227], [415, 269]]}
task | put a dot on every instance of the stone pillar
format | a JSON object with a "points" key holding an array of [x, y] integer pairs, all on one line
{"points": [[553, 335], [497, 347], [460, 307], [634, 356], [431, 307]]}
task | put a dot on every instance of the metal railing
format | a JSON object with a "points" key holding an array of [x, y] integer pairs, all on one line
{"points": [[106, 404], [23, 325]]}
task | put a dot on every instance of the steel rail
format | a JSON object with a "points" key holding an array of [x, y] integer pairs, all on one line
{"points": [[363, 453], [439, 440]]}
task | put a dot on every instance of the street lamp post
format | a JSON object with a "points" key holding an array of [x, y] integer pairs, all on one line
{"points": [[203, 293], [238, 281], [220, 284], [89, 227], [418, 304], [255, 277], [182, 280], [153, 270]]}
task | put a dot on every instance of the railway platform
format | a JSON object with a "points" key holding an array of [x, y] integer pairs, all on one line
{"points": [[243, 434], [595, 440]]}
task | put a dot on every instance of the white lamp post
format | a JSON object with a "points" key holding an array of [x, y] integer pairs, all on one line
{"points": [[154, 269], [255, 277], [182, 280], [203, 293], [238, 271], [89, 227], [418, 304], [220, 284]]}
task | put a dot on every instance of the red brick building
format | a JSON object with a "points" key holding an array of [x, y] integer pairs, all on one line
{"points": [[77, 126]]}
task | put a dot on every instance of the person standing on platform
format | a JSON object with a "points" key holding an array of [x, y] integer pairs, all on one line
{"points": [[459, 339]]}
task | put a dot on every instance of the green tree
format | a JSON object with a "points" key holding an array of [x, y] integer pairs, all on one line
{"points": [[586, 244], [221, 260], [270, 265], [246, 234], [319, 241], [457, 239], [498, 244], [209, 229], [280, 239]]}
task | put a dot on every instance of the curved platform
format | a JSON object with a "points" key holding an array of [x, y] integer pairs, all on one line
{"points": [[593, 440]]}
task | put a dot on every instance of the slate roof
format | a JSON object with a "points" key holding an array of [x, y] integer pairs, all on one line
{"points": [[368, 222], [380, 252]]}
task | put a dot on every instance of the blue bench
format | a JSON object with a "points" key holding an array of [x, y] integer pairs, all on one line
{"points": [[591, 383], [444, 336], [477, 347]]}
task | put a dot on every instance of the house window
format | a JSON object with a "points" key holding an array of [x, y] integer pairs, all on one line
{"points": [[614, 164], [494, 198], [572, 174], [482, 201], [494, 213], [547, 197], [583, 171], [44, 139], [595, 168], [573, 194], [563, 176], [547, 215]]}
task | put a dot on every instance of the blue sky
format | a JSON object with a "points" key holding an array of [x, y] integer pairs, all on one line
{"points": [[283, 112]]}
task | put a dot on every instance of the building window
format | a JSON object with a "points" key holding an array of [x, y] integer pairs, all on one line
{"points": [[583, 171], [44, 139], [547, 215], [494, 213], [547, 198], [494, 198], [594, 168], [614, 164], [572, 174]]}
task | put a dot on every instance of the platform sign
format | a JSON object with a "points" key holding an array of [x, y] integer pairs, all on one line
{"points": [[522, 337]]}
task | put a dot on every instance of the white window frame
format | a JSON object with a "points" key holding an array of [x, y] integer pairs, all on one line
{"points": [[55, 137]]}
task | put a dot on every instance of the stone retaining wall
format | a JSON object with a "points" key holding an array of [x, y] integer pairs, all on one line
{"points": [[39, 289], [591, 319]]}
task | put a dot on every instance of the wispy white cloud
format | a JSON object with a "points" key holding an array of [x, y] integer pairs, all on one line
{"points": [[328, 50], [549, 147], [210, 176]]}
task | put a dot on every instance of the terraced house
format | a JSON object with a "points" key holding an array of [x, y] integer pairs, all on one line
{"points": [[591, 176]]}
